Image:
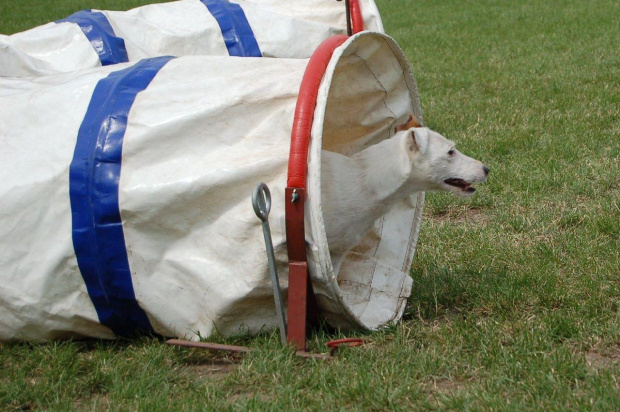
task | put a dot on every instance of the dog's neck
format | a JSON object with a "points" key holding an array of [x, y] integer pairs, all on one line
{"points": [[363, 188], [384, 175], [389, 174]]}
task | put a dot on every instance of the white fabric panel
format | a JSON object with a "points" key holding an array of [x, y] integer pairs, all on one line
{"points": [[47, 49], [199, 138], [191, 167], [288, 29], [177, 28], [286, 32], [326, 11], [371, 16], [42, 294]]}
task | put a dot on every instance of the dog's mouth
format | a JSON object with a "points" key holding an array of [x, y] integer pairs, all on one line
{"points": [[461, 184]]}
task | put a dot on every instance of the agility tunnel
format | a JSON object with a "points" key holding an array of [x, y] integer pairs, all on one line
{"points": [[246, 28], [126, 192]]}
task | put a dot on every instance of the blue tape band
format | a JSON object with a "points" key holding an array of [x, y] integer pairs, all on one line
{"points": [[97, 29], [94, 175], [237, 33]]}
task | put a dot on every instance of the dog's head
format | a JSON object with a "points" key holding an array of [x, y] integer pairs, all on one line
{"points": [[437, 164]]}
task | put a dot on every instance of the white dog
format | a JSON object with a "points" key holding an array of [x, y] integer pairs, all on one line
{"points": [[358, 190]]}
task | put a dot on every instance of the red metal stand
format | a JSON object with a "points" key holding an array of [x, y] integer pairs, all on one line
{"points": [[302, 308]]}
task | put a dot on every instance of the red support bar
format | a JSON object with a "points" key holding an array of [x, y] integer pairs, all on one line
{"points": [[297, 304], [295, 199], [302, 309], [299, 287], [357, 21]]}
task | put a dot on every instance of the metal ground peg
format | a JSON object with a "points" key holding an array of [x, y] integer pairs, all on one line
{"points": [[261, 201]]}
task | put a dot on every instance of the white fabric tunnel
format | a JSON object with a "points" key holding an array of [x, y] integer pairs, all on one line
{"points": [[126, 194], [268, 28]]}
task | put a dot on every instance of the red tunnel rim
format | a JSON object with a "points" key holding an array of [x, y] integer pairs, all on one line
{"points": [[300, 294], [357, 21], [304, 110], [297, 175], [307, 98]]}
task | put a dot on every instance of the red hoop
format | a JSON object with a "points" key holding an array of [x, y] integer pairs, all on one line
{"points": [[357, 21], [304, 111], [301, 302]]}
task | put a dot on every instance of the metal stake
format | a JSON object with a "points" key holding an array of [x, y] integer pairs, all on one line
{"points": [[261, 201]]}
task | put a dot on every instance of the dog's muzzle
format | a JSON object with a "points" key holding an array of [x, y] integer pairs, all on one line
{"points": [[461, 184], [465, 186]]}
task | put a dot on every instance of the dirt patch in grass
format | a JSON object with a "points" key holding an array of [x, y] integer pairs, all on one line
{"points": [[603, 359], [96, 403], [460, 215], [446, 386], [28, 406], [216, 370], [243, 397]]}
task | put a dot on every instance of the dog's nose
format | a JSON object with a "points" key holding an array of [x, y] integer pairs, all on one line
{"points": [[486, 170]]}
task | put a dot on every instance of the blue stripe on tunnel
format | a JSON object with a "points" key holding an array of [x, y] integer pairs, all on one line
{"points": [[237, 33], [94, 175], [97, 28]]}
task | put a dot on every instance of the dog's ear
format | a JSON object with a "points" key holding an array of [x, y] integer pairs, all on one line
{"points": [[417, 141], [411, 122]]}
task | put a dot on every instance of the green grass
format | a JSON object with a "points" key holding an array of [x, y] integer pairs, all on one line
{"points": [[517, 290]]}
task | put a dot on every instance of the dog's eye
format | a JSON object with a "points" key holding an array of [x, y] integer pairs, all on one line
{"points": [[451, 152]]}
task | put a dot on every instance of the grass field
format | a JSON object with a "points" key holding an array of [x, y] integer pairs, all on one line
{"points": [[517, 290]]}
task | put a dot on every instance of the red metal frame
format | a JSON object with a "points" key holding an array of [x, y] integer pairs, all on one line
{"points": [[357, 21], [304, 111], [302, 310]]}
